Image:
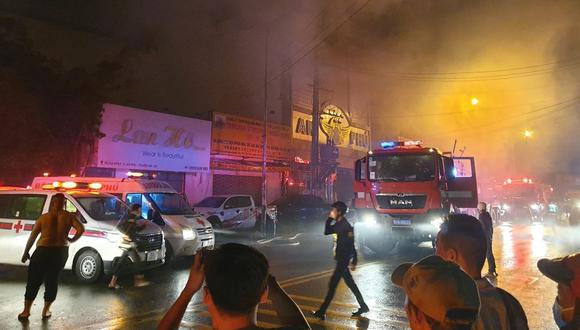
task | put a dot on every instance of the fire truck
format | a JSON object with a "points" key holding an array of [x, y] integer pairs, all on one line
{"points": [[523, 199], [403, 191]]}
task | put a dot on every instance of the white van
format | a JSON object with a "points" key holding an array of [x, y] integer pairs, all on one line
{"points": [[185, 232], [98, 248]]}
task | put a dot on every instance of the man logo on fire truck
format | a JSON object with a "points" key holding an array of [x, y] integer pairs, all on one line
{"points": [[404, 190]]}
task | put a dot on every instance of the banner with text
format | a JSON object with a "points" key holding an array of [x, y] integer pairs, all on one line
{"points": [[147, 140], [240, 136]]}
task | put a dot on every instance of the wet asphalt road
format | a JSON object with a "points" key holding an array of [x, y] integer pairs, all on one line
{"points": [[302, 265]]}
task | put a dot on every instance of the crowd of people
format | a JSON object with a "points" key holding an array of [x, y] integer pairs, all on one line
{"points": [[443, 291]]}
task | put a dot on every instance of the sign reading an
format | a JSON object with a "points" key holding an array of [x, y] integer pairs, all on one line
{"points": [[146, 140], [335, 126]]}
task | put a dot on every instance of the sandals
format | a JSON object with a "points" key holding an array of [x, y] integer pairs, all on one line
{"points": [[23, 317], [47, 316]]}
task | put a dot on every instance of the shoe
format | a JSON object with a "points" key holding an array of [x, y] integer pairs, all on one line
{"points": [[361, 311], [492, 274], [22, 317], [47, 316], [319, 315], [115, 287]]}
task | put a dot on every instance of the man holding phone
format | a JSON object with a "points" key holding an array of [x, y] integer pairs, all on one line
{"points": [[237, 280], [345, 255]]}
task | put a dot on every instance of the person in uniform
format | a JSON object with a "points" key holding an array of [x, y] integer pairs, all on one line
{"points": [[345, 255]]}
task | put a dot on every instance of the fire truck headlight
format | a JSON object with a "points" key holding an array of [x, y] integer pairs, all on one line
{"points": [[437, 222], [188, 234], [505, 207], [535, 207], [369, 219]]}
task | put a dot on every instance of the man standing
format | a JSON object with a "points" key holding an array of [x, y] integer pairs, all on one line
{"points": [[487, 224], [344, 254]]}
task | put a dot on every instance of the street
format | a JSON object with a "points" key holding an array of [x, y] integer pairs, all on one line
{"points": [[302, 264]]}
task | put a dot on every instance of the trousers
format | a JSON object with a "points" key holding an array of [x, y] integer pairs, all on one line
{"points": [[129, 255], [45, 266], [341, 271], [490, 257]]}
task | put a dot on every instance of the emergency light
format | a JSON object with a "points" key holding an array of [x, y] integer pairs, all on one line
{"points": [[392, 144]]}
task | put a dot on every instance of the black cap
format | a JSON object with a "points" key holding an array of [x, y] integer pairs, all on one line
{"points": [[341, 207]]}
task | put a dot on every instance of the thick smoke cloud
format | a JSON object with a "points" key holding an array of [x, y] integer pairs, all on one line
{"points": [[425, 60]]}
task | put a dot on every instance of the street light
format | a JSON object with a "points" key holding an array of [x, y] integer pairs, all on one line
{"points": [[528, 134], [474, 101]]}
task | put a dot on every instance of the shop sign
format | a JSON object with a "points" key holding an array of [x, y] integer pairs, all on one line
{"points": [[240, 136], [147, 140], [335, 126]]}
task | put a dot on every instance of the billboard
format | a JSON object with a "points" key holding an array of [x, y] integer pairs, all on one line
{"points": [[241, 136], [146, 140], [335, 125]]}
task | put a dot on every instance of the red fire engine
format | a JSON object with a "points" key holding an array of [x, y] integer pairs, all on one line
{"points": [[403, 191]]}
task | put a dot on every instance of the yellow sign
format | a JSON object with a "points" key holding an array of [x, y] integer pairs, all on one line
{"points": [[334, 126]]}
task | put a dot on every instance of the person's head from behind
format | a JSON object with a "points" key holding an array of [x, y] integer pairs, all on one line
{"points": [[337, 210], [236, 279], [461, 239], [481, 207], [57, 202], [440, 296]]}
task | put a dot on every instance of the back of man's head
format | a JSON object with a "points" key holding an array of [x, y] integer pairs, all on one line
{"points": [[464, 235], [236, 277]]}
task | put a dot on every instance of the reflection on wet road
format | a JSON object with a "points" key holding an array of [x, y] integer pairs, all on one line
{"points": [[303, 266]]}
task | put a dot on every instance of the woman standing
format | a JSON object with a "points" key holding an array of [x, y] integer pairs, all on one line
{"points": [[50, 254]]}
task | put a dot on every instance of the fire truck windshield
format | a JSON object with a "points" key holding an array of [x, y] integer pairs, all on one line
{"points": [[402, 167]]}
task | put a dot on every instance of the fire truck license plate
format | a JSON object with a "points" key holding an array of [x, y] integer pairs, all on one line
{"points": [[402, 222]]}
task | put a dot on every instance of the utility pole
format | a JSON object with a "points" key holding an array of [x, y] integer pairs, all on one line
{"points": [[265, 140], [315, 124]]}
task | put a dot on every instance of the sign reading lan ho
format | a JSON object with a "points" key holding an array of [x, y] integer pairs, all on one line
{"points": [[146, 140]]}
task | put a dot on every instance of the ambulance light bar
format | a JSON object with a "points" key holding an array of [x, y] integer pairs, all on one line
{"points": [[135, 174], [57, 185]]}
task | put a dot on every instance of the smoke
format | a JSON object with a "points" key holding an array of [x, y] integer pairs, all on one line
{"points": [[424, 61]]}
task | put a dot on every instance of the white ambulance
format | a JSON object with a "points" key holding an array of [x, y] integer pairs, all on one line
{"points": [[98, 248], [185, 232]]}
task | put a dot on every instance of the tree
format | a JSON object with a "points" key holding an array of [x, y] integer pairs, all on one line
{"points": [[50, 116]]}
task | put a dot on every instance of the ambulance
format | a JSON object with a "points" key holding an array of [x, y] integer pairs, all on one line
{"points": [[96, 252], [185, 232]]}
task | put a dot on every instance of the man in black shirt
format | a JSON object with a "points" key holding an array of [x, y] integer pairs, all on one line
{"points": [[344, 254], [487, 224]]}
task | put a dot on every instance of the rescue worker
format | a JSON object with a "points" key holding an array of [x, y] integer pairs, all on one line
{"points": [[130, 228], [487, 224], [344, 254]]}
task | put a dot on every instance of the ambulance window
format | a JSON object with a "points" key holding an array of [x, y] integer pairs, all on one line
{"points": [[140, 200], [28, 207], [69, 206]]}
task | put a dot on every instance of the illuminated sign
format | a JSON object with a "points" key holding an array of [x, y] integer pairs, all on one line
{"points": [[147, 140], [335, 125]]}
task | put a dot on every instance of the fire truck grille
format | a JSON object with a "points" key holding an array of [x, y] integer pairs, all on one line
{"points": [[149, 242], [401, 201]]}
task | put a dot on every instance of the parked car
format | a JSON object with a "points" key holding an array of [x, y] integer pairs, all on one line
{"points": [[298, 212], [229, 211]]}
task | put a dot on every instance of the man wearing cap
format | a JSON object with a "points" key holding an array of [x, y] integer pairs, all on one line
{"points": [[344, 254], [566, 272], [439, 294]]}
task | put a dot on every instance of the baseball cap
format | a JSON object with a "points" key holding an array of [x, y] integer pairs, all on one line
{"points": [[440, 289], [564, 270]]}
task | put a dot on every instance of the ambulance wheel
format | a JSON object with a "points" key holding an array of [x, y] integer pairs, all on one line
{"points": [[88, 266]]}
